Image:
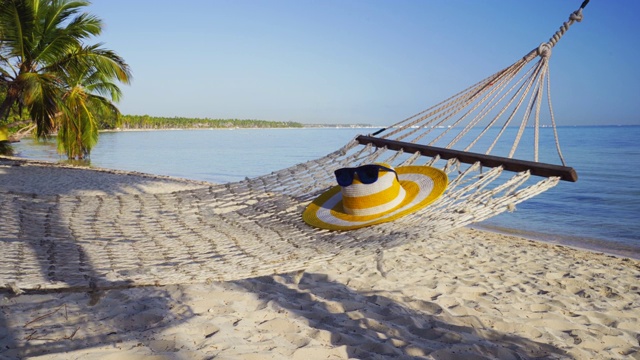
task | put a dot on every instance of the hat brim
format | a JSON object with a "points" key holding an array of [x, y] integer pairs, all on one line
{"points": [[423, 185]]}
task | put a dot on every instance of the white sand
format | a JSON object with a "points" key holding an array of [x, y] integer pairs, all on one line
{"points": [[17, 175], [467, 295]]}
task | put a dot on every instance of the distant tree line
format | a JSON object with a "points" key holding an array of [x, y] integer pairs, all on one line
{"points": [[126, 122]]}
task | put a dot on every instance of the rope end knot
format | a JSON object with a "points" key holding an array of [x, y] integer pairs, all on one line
{"points": [[576, 15]]}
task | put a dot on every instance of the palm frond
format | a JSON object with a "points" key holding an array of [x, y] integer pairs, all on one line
{"points": [[17, 22], [41, 93]]}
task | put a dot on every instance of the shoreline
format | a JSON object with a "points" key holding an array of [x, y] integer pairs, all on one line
{"points": [[245, 128], [578, 243], [464, 294]]}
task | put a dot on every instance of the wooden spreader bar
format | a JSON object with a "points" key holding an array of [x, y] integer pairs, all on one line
{"points": [[535, 168]]}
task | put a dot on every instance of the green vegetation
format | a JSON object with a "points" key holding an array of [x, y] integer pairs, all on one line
{"points": [[150, 122], [49, 75]]}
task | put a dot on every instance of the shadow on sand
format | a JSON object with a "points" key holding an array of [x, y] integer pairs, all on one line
{"points": [[371, 326], [42, 324], [367, 325]]}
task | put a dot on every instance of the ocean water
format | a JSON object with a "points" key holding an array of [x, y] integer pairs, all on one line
{"points": [[601, 211]]}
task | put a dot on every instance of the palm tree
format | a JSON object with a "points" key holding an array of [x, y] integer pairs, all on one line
{"points": [[46, 68], [88, 92]]}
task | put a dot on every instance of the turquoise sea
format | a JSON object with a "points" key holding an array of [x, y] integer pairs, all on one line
{"points": [[601, 211]]}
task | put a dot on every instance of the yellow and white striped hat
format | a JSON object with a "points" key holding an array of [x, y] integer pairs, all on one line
{"points": [[390, 197]]}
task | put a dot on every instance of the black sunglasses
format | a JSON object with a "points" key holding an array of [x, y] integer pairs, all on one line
{"points": [[367, 174]]}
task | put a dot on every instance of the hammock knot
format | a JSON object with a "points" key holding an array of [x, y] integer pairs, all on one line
{"points": [[544, 50]]}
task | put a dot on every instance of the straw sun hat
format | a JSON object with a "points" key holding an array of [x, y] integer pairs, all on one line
{"points": [[373, 194]]}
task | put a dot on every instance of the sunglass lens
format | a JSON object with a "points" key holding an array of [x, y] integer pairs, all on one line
{"points": [[344, 176], [368, 174]]}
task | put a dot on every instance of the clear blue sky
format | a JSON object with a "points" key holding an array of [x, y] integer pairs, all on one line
{"points": [[364, 61]]}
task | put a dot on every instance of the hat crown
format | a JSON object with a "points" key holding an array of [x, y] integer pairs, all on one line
{"points": [[379, 197]]}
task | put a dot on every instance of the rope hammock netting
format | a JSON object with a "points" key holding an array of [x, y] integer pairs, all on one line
{"points": [[254, 227]]}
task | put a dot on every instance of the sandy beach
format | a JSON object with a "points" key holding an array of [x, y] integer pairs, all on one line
{"points": [[468, 294]]}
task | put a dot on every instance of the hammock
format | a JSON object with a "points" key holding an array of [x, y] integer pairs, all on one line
{"points": [[254, 227]]}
